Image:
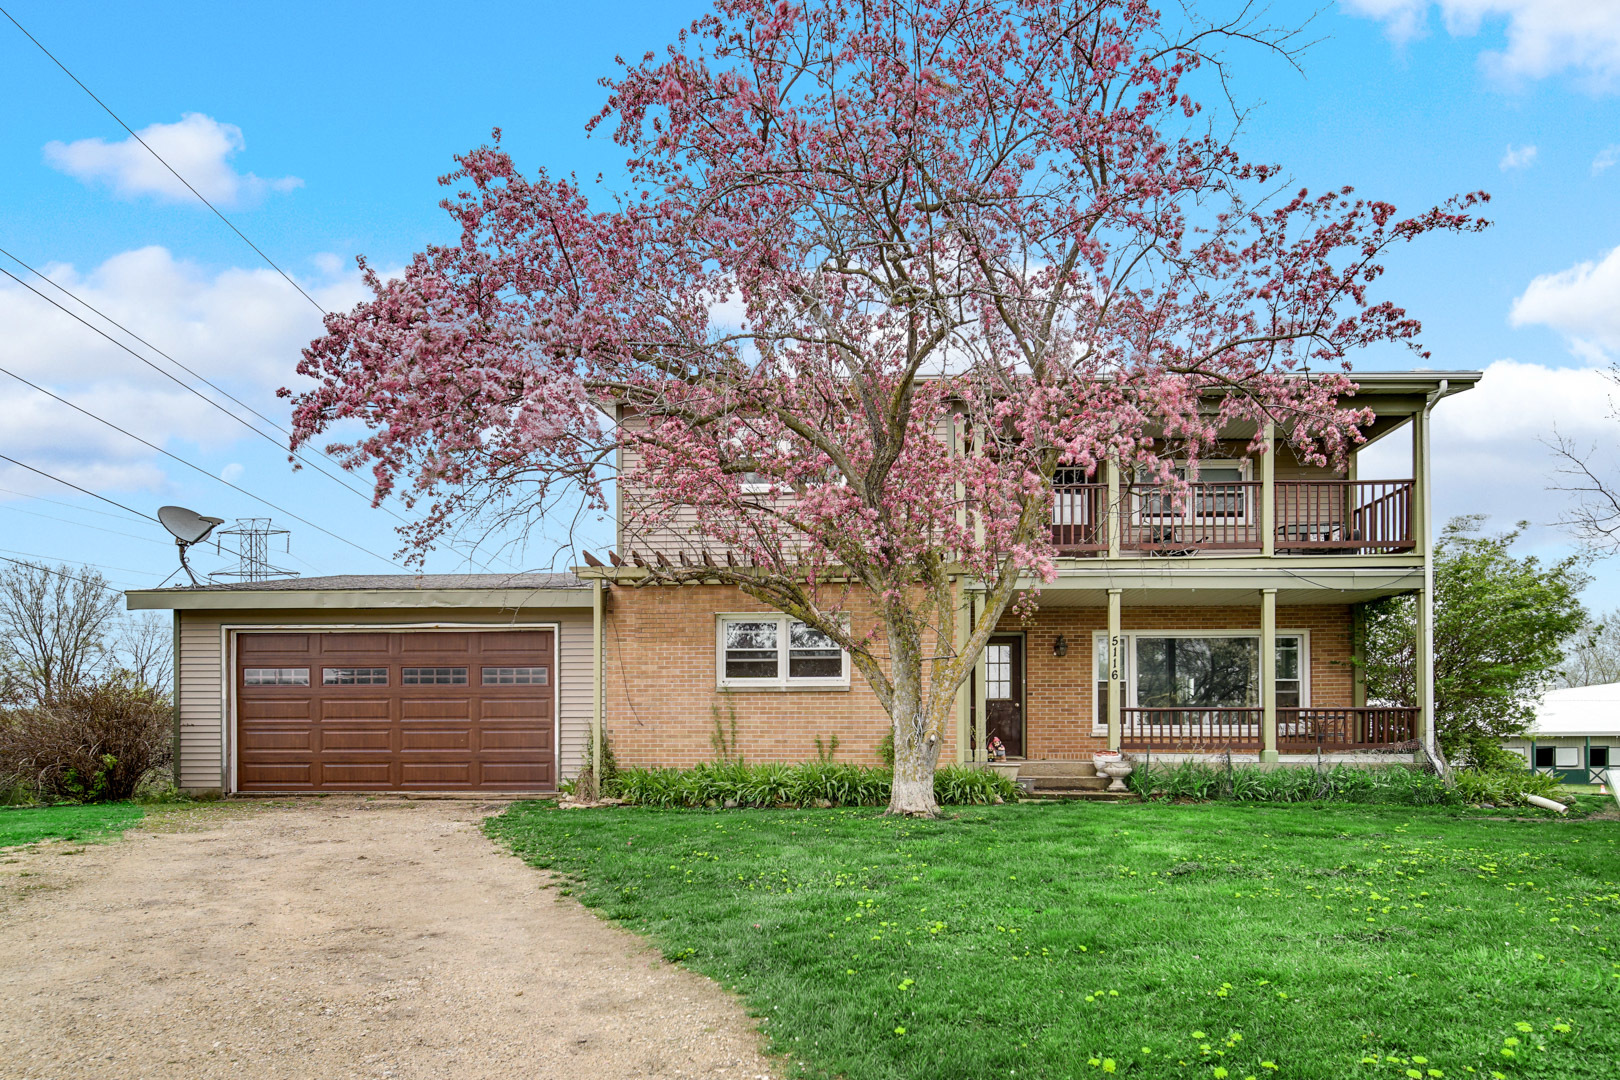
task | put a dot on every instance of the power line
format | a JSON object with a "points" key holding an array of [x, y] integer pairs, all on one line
{"points": [[165, 164], [59, 502], [189, 389], [70, 483], [189, 465], [58, 573], [45, 564], [81, 524], [172, 378]]}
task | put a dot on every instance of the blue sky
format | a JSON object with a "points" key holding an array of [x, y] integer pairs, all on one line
{"points": [[320, 129]]}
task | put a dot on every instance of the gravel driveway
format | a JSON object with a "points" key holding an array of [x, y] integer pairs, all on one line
{"points": [[335, 938]]}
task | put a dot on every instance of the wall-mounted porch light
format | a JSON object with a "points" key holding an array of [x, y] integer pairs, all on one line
{"points": [[1060, 646]]}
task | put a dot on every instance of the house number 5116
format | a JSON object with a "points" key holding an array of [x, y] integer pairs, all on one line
{"points": [[1116, 645]]}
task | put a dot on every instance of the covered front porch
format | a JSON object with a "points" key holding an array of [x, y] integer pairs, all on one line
{"points": [[1169, 661]]}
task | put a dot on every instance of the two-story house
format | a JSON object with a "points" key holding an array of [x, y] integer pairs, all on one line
{"points": [[1222, 622]]}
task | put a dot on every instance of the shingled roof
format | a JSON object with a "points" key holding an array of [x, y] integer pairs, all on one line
{"points": [[339, 582]]}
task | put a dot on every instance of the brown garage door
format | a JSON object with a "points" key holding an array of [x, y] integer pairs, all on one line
{"points": [[422, 711]]}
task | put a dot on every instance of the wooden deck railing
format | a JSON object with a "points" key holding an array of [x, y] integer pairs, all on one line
{"points": [[1344, 516], [1193, 730], [1339, 517], [1350, 728], [1190, 730]]}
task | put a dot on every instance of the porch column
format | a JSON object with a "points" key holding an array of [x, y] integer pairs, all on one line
{"points": [[979, 734], [1116, 667], [1268, 492], [964, 630], [1268, 674], [1116, 524], [597, 640], [1423, 535]]}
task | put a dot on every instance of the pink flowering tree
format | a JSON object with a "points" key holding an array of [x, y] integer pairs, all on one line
{"points": [[880, 271]]}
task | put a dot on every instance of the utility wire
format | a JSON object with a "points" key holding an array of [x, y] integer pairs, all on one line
{"points": [[59, 502], [190, 465], [81, 524], [189, 389], [58, 573], [171, 377], [165, 164], [70, 483], [45, 565]]}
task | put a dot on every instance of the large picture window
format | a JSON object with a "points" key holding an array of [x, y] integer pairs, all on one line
{"points": [[775, 651], [1166, 670]]}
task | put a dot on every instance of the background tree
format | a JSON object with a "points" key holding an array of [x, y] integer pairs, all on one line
{"points": [[54, 623], [1500, 623], [1592, 655], [893, 264]]}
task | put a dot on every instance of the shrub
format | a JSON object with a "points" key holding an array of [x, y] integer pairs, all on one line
{"points": [[809, 784], [93, 744], [1196, 780]]}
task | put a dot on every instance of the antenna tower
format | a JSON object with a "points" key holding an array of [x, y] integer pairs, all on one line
{"points": [[253, 539]]}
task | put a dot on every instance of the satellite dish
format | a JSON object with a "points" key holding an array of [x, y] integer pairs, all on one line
{"points": [[187, 527]]}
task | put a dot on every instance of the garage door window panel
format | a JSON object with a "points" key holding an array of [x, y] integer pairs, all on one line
{"points": [[255, 676], [434, 676], [354, 676], [516, 676]]}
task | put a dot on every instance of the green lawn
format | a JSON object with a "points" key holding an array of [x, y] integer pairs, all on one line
{"points": [[1142, 940], [24, 825]]}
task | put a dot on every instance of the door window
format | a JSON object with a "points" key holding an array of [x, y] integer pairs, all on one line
{"points": [[998, 672]]}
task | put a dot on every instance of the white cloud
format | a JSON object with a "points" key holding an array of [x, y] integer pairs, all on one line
{"points": [[1582, 303], [1544, 37], [232, 472], [199, 147], [1607, 158], [1488, 456], [1517, 157], [242, 329]]}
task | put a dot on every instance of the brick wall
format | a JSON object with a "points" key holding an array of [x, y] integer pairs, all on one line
{"points": [[662, 699]]}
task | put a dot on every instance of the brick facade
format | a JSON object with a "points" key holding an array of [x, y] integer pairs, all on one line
{"points": [[662, 700]]}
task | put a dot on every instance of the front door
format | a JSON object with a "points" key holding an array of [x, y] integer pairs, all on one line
{"points": [[1004, 693]]}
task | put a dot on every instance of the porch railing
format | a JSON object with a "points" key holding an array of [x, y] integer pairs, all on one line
{"points": [[1193, 730], [1344, 515], [1312, 516], [1190, 730], [1361, 728]]}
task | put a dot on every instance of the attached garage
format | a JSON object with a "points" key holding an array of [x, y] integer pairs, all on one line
{"points": [[415, 711], [438, 683]]}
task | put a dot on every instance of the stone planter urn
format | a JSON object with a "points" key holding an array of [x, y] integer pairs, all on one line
{"points": [[1119, 770], [1101, 759]]}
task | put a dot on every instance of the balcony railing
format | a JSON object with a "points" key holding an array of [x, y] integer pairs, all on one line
{"points": [[1320, 516], [1195, 730]]}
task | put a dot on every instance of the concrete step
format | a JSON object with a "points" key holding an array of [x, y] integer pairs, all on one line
{"points": [[1076, 783], [1082, 794], [1057, 768]]}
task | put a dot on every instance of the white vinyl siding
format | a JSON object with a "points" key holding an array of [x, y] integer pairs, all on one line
{"points": [[204, 750]]}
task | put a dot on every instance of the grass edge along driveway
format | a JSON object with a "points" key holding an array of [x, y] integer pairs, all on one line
{"points": [[98, 821], [1150, 940]]}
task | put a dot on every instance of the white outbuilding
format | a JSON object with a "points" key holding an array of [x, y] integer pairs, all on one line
{"points": [[1577, 729]]}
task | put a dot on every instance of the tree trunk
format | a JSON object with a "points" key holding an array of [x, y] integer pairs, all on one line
{"points": [[916, 749]]}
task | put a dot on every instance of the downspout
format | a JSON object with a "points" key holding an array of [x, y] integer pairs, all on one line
{"points": [[1431, 744], [597, 641]]}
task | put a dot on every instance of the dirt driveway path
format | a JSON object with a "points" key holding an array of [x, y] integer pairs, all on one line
{"points": [[335, 938]]}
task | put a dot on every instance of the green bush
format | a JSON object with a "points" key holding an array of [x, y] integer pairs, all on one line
{"points": [[96, 743], [811, 783], [1197, 780], [1503, 785]]}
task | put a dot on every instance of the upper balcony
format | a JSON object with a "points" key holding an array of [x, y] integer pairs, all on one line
{"points": [[1322, 517]]}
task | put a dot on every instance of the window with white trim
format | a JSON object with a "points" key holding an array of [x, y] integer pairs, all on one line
{"points": [[1221, 494], [774, 651]]}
